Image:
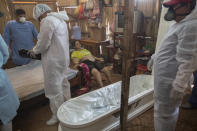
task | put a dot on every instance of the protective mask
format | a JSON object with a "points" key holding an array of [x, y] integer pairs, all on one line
{"points": [[22, 19], [170, 15]]}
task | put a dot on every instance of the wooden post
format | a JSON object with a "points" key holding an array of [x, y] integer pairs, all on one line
{"points": [[11, 9], [128, 61], [77, 1], [158, 7]]}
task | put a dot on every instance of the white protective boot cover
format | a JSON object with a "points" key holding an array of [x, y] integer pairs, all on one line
{"points": [[55, 103]]}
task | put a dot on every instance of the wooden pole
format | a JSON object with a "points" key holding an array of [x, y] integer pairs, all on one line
{"points": [[158, 7], [11, 8], [128, 47], [77, 1]]}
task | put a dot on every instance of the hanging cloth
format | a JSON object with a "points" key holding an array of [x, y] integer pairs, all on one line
{"points": [[96, 10], [86, 79]]}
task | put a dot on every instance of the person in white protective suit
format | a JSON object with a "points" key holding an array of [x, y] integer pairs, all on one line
{"points": [[174, 62], [53, 45]]}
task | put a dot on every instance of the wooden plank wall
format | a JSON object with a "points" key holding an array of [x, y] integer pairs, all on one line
{"points": [[29, 9], [107, 16], [67, 2], [151, 13], [4, 9], [146, 6], [9, 8]]}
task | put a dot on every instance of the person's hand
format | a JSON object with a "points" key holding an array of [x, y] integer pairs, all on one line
{"points": [[176, 97], [150, 64], [101, 59], [32, 54], [76, 66]]}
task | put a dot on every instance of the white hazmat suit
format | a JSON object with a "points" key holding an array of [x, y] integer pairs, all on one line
{"points": [[174, 63], [53, 44]]}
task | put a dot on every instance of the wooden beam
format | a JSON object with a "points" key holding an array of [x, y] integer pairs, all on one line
{"points": [[158, 8], [11, 8], [77, 2], [128, 61], [71, 15]]}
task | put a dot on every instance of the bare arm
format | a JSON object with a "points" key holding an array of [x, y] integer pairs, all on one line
{"points": [[98, 59], [75, 62]]}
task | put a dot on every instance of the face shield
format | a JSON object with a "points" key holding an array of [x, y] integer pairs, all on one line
{"points": [[171, 13]]}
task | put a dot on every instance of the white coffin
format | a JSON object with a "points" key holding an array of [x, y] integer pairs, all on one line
{"points": [[99, 110]]}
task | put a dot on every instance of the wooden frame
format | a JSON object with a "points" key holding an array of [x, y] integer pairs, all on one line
{"points": [[108, 3], [128, 63]]}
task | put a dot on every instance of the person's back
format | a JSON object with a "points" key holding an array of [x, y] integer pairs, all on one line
{"points": [[59, 43], [22, 34], [8, 99]]}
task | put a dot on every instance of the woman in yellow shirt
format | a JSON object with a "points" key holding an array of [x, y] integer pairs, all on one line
{"points": [[81, 55]]}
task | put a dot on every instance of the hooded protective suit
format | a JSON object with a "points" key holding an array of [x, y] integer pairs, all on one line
{"points": [[9, 101], [174, 63], [53, 44]]}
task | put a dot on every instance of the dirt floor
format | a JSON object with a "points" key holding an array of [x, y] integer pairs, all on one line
{"points": [[187, 121], [35, 117], [34, 113]]}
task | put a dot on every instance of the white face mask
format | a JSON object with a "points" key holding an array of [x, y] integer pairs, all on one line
{"points": [[22, 19]]}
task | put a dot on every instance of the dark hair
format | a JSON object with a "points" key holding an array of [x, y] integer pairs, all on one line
{"points": [[19, 12], [76, 41]]}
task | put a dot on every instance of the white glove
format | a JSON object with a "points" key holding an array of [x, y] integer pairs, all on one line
{"points": [[191, 80], [150, 64], [32, 54], [176, 97]]}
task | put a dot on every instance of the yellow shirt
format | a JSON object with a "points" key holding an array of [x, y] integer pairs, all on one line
{"points": [[80, 54]]}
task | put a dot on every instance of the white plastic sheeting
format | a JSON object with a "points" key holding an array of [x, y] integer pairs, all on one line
{"points": [[88, 108], [35, 68], [28, 79]]}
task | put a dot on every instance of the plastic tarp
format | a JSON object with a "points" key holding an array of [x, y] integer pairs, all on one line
{"points": [[34, 68], [91, 106], [28, 79]]}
